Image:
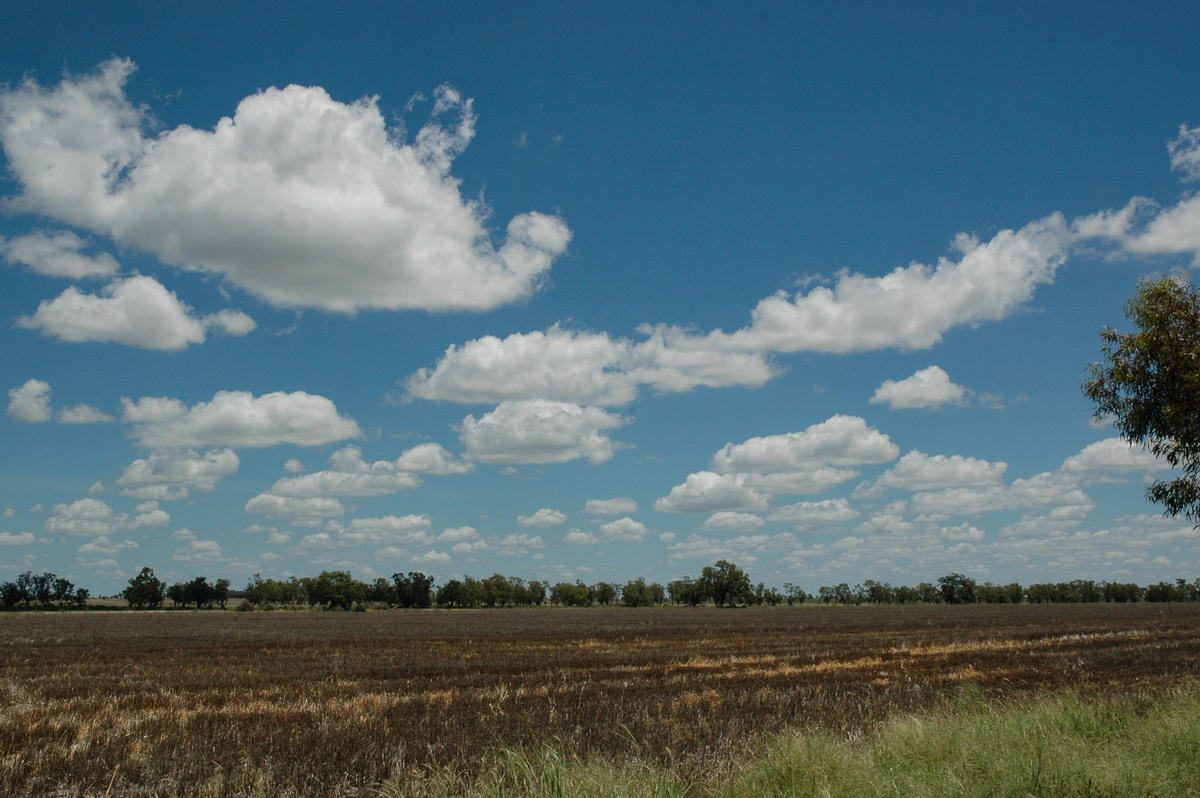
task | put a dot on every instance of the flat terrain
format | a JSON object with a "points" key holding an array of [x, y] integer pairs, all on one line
{"points": [[315, 703]]}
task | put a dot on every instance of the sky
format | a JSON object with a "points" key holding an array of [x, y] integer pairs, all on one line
{"points": [[584, 291]]}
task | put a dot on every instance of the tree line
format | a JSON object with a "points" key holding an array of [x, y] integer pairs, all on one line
{"points": [[722, 584]]}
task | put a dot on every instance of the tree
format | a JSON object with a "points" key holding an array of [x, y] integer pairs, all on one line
{"points": [[336, 589], [725, 583], [958, 589], [1149, 384], [145, 590]]}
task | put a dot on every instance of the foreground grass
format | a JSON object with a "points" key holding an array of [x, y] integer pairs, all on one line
{"points": [[1064, 746]]}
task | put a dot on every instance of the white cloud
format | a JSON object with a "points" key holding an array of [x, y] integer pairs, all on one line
{"points": [[1115, 455], [350, 475], [103, 545], [58, 255], [390, 530], [305, 512], [616, 506], [431, 458], [239, 419], [432, 558], [732, 522], [200, 551], [918, 471], [298, 198], [30, 401], [457, 534], [1047, 490], [929, 387], [623, 530], [838, 441], [806, 514], [172, 474], [1185, 152], [555, 365], [912, 307], [545, 517], [17, 538], [136, 311], [94, 518], [709, 492], [537, 431], [83, 414], [581, 367]]}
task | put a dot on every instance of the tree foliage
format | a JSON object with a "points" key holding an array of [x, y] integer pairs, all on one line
{"points": [[145, 590], [1149, 384]]}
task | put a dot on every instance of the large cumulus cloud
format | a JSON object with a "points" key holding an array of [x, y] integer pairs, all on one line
{"points": [[296, 197]]}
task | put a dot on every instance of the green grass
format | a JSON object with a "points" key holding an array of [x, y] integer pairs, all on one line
{"points": [[1063, 746]]}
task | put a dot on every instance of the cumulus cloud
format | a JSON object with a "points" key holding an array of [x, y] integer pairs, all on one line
{"points": [[200, 551], [173, 474], [913, 306], [732, 522], [917, 471], [537, 431], [57, 254], [30, 401], [93, 518], [545, 517], [622, 530], [1113, 455], [350, 475], [390, 530], [579, 367], [136, 311], [709, 492], [1185, 152], [838, 441], [616, 506], [83, 414], [803, 515], [928, 388], [17, 538], [298, 198], [103, 545], [301, 511], [238, 419], [1059, 490]]}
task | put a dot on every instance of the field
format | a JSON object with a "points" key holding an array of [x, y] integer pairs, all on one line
{"points": [[316, 703]]}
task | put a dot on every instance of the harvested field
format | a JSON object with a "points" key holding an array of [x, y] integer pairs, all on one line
{"points": [[312, 703]]}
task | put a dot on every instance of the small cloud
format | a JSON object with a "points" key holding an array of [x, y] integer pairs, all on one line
{"points": [[545, 517], [928, 388], [30, 402]]}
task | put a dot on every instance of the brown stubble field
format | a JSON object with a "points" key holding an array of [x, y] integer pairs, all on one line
{"points": [[313, 703]]}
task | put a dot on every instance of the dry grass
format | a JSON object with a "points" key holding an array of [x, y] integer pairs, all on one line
{"points": [[310, 703]]}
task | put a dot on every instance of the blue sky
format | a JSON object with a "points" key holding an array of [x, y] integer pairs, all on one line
{"points": [[584, 293]]}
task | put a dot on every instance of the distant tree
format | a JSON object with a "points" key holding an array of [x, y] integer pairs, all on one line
{"points": [[144, 590], [336, 590], [604, 593], [957, 589], [636, 593], [454, 593], [565, 594], [1148, 383], [536, 591], [10, 594], [413, 590], [793, 594], [875, 592], [928, 593], [725, 583], [687, 591], [177, 593]]}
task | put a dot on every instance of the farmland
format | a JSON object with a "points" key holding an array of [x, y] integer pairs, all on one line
{"points": [[319, 703]]}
